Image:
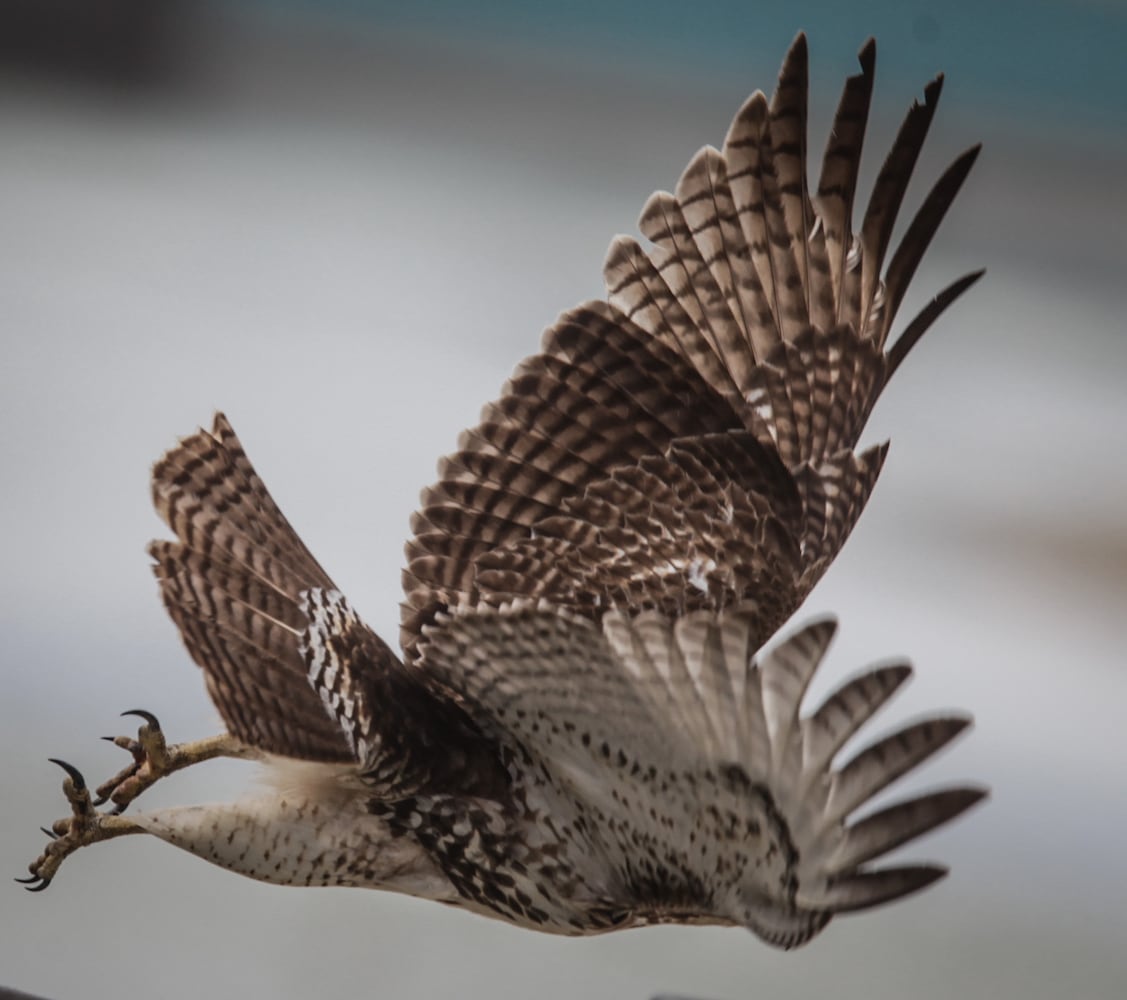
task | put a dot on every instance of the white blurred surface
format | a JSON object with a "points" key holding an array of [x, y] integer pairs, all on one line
{"points": [[350, 272]]}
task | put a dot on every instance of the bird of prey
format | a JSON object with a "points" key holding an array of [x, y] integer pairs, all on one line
{"points": [[584, 731]]}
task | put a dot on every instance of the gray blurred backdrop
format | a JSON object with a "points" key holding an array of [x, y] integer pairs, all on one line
{"points": [[343, 224]]}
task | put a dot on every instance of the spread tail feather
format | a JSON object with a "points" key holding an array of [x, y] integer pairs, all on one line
{"points": [[233, 584]]}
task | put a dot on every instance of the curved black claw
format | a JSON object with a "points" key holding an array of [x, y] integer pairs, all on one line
{"points": [[74, 772], [152, 758], [151, 719], [34, 883]]}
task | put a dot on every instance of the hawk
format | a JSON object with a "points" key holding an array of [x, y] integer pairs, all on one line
{"points": [[583, 731]]}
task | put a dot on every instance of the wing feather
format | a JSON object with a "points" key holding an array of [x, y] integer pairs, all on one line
{"points": [[841, 165], [754, 310]]}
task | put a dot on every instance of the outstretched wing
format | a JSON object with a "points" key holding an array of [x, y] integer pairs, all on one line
{"points": [[689, 442], [695, 751]]}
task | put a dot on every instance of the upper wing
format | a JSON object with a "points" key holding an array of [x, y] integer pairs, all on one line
{"points": [[688, 443]]}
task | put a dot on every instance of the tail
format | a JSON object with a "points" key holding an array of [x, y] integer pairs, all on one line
{"points": [[233, 584]]}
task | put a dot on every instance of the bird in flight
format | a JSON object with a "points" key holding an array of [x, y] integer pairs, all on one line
{"points": [[583, 731]]}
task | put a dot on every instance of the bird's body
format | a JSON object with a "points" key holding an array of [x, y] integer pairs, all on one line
{"points": [[583, 733]]}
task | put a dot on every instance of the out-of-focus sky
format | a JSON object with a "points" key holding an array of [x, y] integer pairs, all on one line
{"points": [[344, 225]]}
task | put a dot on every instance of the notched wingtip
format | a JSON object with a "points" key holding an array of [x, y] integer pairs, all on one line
{"points": [[867, 55], [975, 795], [929, 874], [824, 625], [933, 90], [797, 53]]}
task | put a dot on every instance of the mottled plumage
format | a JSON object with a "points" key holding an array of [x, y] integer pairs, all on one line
{"points": [[584, 731]]}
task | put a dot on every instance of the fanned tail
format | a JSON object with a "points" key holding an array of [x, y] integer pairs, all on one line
{"points": [[233, 584]]}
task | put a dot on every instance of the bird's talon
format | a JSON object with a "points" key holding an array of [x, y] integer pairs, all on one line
{"points": [[73, 773], [151, 761], [34, 883], [85, 825], [150, 720], [150, 746]]}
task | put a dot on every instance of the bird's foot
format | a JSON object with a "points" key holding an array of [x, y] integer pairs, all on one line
{"points": [[85, 825], [151, 761], [153, 758]]}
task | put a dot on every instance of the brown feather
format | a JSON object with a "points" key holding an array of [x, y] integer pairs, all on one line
{"points": [[747, 315], [232, 585]]}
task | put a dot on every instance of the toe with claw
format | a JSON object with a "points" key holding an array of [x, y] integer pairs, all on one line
{"points": [[85, 825], [151, 761]]}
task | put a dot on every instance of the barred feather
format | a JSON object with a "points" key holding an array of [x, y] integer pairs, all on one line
{"points": [[232, 585], [719, 728], [756, 310], [585, 732]]}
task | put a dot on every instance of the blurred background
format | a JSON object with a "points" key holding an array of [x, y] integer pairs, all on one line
{"points": [[344, 223]]}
